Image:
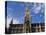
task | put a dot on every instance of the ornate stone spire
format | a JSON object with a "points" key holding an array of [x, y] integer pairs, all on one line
{"points": [[11, 21], [27, 21]]}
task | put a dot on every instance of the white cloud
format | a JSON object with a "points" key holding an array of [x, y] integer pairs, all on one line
{"points": [[36, 9], [43, 9], [8, 21], [15, 21], [34, 6]]}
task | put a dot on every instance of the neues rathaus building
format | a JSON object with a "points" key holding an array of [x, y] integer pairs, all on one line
{"points": [[26, 27]]}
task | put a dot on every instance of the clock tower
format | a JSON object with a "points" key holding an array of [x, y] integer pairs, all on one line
{"points": [[27, 25]]}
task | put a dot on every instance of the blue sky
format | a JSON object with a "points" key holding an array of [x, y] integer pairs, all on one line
{"points": [[16, 10]]}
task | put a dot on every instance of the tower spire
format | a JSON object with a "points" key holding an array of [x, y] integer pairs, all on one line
{"points": [[11, 21], [27, 9], [27, 21]]}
